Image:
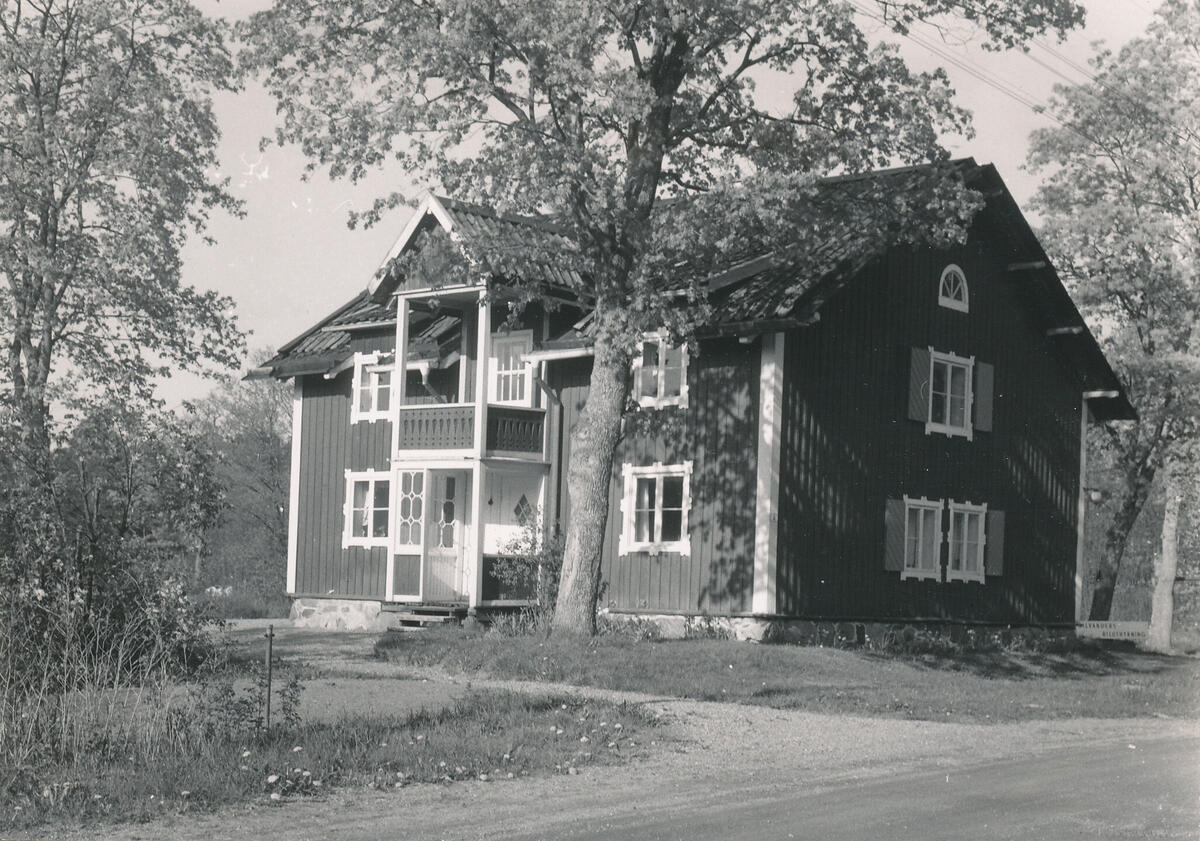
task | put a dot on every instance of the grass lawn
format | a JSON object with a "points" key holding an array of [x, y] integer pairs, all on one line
{"points": [[980, 686], [485, 736]]}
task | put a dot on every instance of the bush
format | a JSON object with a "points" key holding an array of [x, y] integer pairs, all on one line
{"points": [[70, 659], [530, 564]]}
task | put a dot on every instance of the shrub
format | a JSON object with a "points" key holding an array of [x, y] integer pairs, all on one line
{"points": [[530, 564]]}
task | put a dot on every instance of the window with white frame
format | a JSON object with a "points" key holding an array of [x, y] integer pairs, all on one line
{"points": [[510, 382], [368, 504], [952, 289], [372, 388], [966, 542], [655, 507], [660, 373], [410, 505], [922, 538], [949, 393]]}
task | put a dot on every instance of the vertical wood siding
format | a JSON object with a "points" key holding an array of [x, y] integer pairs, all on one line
{"points": [[331, 445], [848, 446], [718, 432]]}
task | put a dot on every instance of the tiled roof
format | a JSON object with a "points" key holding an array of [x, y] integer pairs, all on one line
{"points": [[753, 288]]}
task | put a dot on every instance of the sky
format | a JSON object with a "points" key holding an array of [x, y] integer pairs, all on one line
{"points": [[292, 259]]}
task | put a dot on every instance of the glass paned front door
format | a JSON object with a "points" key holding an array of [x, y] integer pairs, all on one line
{"points": [[444, 569]]}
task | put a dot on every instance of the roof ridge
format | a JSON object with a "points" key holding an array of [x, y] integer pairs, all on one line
{"points": [[952, 163], [544, 221]]}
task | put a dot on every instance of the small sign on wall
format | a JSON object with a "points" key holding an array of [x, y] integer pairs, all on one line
{"points": [[1112, 630]]}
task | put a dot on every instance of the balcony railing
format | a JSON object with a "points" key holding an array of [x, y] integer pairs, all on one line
{"points": [[437, 427], [513, 429]]}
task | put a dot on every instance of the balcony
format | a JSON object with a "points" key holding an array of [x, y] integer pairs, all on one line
{"points": [[437, 427], [513, 429]]}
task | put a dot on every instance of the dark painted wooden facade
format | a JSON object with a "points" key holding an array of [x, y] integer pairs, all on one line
{"points": [[849, 446], [329, 446], [718, 432]]}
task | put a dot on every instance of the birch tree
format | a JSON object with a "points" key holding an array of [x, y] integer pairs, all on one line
{"points": [[1121, 204], [596, 112]]}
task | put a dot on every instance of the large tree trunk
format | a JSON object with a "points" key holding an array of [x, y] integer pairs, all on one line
{"points": [[1115, 541], [589, 474], [1162, 604]]}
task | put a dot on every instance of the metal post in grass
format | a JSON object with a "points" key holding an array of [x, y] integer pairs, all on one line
{"points": [[270, 644]]}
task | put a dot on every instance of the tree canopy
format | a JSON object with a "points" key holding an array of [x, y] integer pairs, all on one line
{"points": [[107, 163], [663, 138], [1121, 206]]}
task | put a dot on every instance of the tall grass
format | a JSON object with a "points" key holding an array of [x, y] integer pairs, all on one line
{"points": [[80, 681]]}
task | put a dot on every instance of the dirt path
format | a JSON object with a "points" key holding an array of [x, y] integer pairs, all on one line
{"points": [[713, 753]]}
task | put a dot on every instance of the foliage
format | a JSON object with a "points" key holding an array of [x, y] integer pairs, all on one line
{"points": [[492, 735], [531, 564], [247, 427], [665, 139], [1122, 220], [107, 162]]}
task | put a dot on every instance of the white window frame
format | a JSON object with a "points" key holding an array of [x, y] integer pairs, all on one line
{"points": [[374, 477], [923, 504], [978, 574], [658, 401], [630, 474], [367, 369], [937, 357], [524, 338], [948, 301], [394, 498]]}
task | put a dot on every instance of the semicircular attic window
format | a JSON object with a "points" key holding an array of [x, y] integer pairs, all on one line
{"points": [[952, 289]]}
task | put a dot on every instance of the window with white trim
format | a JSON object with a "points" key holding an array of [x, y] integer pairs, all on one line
{"points": [[952, 289], [367, 508], [660, 373], [372, 388], [511, 380], [966, 542], [410, 504], [950, 393], [922, 538], [655, 507]]}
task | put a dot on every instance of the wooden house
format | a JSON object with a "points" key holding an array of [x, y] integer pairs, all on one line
{"points": [[899, 441]]}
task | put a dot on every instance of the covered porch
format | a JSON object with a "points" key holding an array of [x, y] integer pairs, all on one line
{"points": [[451, 521]]}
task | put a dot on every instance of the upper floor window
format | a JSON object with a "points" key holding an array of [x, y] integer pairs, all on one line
{"points": [[660, 373], [368, 503], [949, 393], [655, 507], [372, 388], [952, 289], [510, 382]]}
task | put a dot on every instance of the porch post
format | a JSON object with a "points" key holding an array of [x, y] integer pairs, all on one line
{"points": [[401, 375], [474, 547], [483, 347]]}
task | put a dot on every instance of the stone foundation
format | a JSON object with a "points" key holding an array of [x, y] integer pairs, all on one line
{"points": [[338, 614]]}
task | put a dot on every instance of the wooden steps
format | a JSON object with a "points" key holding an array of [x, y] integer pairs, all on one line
{"points": [[422, 615]]}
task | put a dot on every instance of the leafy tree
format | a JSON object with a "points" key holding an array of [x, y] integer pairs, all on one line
{"points": [[1121, 204], [107, 162], [598, 113], [134, 483], [247, 425]]}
